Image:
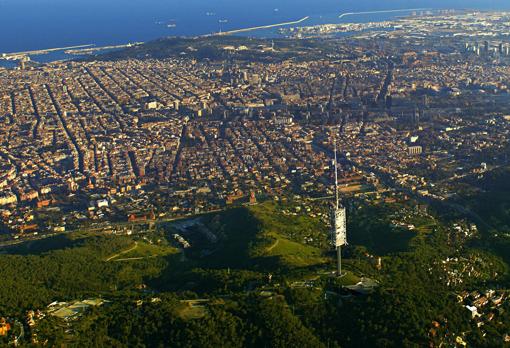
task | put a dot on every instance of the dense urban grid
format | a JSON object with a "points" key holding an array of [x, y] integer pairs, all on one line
{"points": [[179, 136], [417, 107]]}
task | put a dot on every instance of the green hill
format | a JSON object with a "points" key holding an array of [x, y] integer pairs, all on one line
{"points": [[264, 237], [282, 236]]}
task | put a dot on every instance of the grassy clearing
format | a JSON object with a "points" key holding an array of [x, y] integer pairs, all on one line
{"points": [[280, 236], [190, 312], [145, 250], [293, 227], [292, 253], [263, 236], [348, 279]]}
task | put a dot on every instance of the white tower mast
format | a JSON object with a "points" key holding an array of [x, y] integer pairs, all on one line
{"points": [[339, 233]]}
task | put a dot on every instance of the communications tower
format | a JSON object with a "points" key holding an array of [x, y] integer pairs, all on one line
{"points": [[339, 220]]}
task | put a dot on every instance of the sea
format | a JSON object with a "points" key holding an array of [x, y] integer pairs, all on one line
{"points": [[27, 25]]}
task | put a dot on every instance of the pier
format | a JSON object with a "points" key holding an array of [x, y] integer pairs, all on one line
{"points": [[237, 31], [382, 12], [19, 55], [92, 50]]}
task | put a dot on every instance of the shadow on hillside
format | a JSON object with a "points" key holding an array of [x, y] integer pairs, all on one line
{"points": [[239, 233], [42, 246], [490, 210], [382, 240]]}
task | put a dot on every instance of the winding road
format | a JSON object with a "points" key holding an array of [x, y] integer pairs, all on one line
{"points": [[122, 252]]}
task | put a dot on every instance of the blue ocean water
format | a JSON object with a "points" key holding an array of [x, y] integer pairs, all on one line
{"points": [[39, 24]]}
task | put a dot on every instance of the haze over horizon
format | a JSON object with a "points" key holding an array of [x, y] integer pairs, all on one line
{"points": [[37, 24]]}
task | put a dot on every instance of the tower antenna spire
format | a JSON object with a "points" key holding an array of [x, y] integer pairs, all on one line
{"points": [[336, 173]]}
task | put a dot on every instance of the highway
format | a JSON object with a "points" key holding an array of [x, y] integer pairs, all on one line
{"points": [[384, 11], [232, 32]]}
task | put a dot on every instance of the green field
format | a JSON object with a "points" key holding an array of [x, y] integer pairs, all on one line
{"points": [[189, 310], [253, 242], [142, 250], [280, 236], [291, 253], [263, 237]]}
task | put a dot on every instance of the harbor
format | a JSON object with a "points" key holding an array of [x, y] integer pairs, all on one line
{"points": [[25, 54], [57, 54]]}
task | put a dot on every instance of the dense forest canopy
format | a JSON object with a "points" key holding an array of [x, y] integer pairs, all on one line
{"points": [[265, 284]]}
